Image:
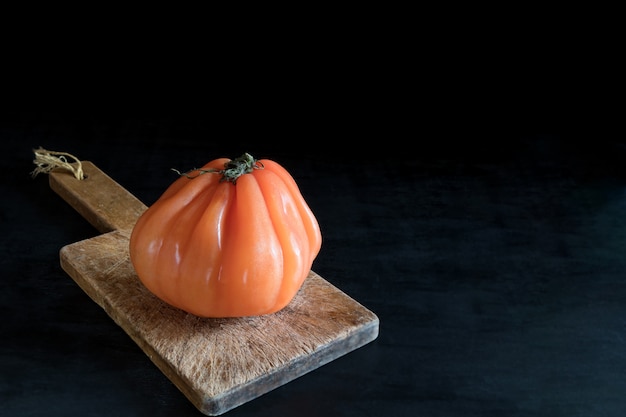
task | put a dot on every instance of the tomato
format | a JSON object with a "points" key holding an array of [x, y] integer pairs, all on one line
{"points": [[235, 238]]}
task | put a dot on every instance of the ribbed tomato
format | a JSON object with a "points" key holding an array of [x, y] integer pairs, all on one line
{"points": [[234, 238]]}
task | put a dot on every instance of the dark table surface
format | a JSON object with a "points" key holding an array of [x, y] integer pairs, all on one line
{"points": [[495, 264]]}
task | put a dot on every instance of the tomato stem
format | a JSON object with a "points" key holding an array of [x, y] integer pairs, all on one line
{"points": [[233, 169]]}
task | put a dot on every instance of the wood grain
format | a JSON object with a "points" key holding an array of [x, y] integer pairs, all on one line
{"points": [[218, 364]]}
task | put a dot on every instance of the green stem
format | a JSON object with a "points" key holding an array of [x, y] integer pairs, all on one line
{"points": [[233, 169]]}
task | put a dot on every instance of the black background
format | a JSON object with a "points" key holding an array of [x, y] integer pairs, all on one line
{"points": [[494, 259]]}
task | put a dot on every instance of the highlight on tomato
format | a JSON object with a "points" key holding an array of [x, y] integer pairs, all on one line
{"points": [[234, 238]]}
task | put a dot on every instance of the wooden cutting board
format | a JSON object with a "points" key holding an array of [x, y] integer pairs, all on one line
{"points": [[218, 364]]}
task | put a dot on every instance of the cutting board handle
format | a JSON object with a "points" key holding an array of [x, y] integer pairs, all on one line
{"points": [[98, 198]]}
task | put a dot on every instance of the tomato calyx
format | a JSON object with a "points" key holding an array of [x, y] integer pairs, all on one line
{"points": [[233, 169]]}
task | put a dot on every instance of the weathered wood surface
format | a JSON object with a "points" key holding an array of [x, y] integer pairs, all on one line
{"points": [[218, 364]]}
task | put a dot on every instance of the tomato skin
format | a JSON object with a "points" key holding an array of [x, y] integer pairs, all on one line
{"points": [[222, 249]]}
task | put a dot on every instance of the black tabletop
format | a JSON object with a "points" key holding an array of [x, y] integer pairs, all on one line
{"points": [[494, 261]]}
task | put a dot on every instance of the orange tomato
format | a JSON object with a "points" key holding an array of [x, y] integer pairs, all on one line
{"points": [[234, 238]]}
